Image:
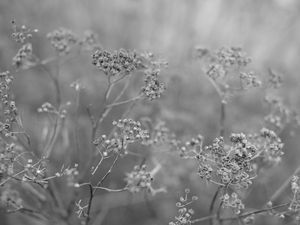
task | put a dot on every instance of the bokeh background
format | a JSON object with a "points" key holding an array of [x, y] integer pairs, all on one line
{"points": [[268, 30]]}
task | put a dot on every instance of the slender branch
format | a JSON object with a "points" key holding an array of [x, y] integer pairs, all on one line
{"points": [[222, 118], [241, 215], [212, 204], [109, 171], [284, 185], [124, 102], [89, 204]]}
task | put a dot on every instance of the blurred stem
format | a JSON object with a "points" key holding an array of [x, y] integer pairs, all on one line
{"points": [[222, 118], [284, 185], [89, 204], [212, 204], [238, 217]]}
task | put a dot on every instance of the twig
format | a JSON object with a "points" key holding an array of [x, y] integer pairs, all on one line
{"points": [[284, 185], [212, 204]]}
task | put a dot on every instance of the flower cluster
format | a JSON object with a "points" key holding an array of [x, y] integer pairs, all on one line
{"points": [[21, 33], [232, 56], [192, 147], [232, 201], [249, 80], [35, 172], [159, 134], [269, 146], [185, 213], [295, 187], [274, 80], [127, 131], [49, 108], [139, 179], [24, 57], [8, 155], [89, 41], [7, 104], [224, 60], [153, 87], [233, 163], [280, 115], [116, 63], [62, 40], [222, 67], [70, 173]]}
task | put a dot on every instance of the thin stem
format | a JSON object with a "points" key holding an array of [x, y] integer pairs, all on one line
{"points": [[89, 204], [284, 185], [124, 102], [222, 118], [109, 171], [212, 204], [211, 217]]}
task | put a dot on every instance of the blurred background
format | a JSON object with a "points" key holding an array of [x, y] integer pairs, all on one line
{"points": [[268, 30]]}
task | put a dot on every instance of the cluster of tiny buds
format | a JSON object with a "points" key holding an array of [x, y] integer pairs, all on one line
{"points": [[280, 115], [232, 56], [77, 85], [24, 57], [7, 157], [232, 201], [131, 131], [128, 131], [110, 145], [116, 63], [62, 40], [226, 58], [89, 41], [153, 87], [274, 80], [21, 33], [139, 179], [8, 105], [160, 134], [185, 213], [295, 187], [192, 148], [71, 173], [35, 172], [249, 80], [49, 108]]}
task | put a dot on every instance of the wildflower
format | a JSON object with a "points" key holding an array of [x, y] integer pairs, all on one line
{"points": [[62, 40], [248, 80], [128, 131], [275, 80], [139, 179], [116, 63], [185, 213], [21, 33], [153, 87], [24, 58], [89, 41], [233, 201], [233, 56]]}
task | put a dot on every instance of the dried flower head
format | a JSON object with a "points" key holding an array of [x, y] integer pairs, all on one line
{"points": [[185, 212], [24, 58], [21, 33], [232, 201], [127, 131], [139, 179], [62, 40], [116, 63]]}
